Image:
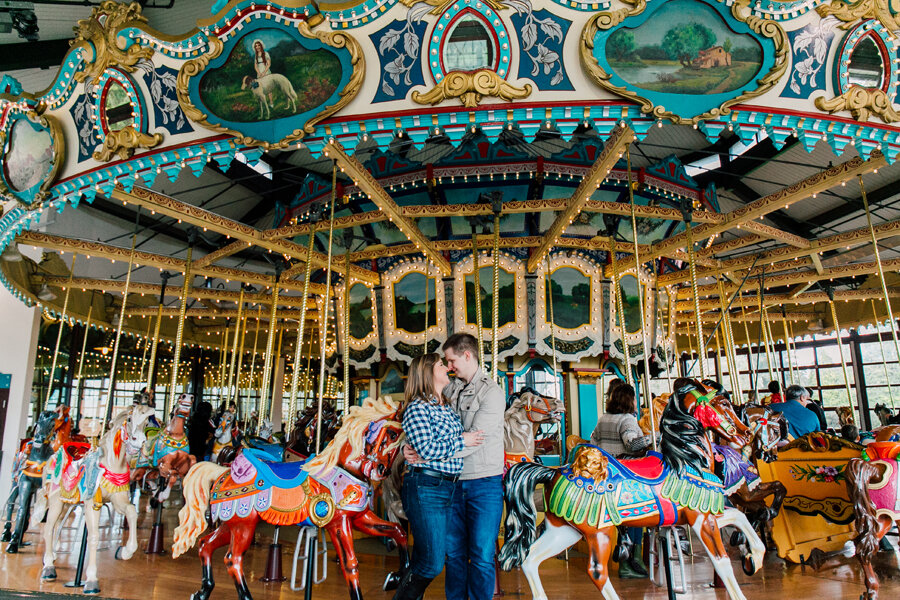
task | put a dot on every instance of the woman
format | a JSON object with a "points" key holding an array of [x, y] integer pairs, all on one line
{"points": [[200, 429], [619, 434], [436, 434], [262, 64]]}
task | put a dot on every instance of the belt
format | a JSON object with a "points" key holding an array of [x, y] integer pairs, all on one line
{"points": [[433, 473]]}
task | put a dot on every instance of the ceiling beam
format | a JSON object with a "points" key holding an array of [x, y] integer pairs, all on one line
{"points": [[369, 185], [732, 244], [752, 301], [776, 234], [612, 151], [808, 187], [223, 313], [223, 252]]}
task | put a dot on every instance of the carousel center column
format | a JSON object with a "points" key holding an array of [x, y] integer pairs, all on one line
{"points": [[21, 326]]}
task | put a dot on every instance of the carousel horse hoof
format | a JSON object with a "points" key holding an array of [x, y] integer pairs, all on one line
{"points": [[91, 588], [392, 581], [48, 574], [747, 564], [122, 553], [7, 534]]}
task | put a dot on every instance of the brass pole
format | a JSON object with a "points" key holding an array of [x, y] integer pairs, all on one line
{"points": [[179, 335], [265, 395], [495, 304], [640, 292], [151, 368], [425, 346], [325, 302], [301, 327], [763, 332], [476, 278], [146, 345], [837, 336], [253, 356], [235, 383], [734, 376], [234, 343], [701, 346], [887, 298], [883, 356], [754, 384], [87, 330], [552, 327], [62, 322], [223, 358], [115, 356], [307, 385], [667, 329], [346, 309], [620, 309], [787, 345]]}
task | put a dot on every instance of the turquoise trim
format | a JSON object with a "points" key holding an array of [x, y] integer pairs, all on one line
{"points": [[140, 112], [439, 36], [9, 125], [588, 412], [685, 105]]}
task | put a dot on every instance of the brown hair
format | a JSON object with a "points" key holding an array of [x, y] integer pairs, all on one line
{"points": [[420, 382], [461, 342], [621, 400], [613, 384]]}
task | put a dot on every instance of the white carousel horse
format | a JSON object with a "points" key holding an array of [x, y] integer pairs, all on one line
{"points": [[101, 476], [222, 438]]}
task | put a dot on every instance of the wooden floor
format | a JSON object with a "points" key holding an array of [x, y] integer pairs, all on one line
{"points": [[159, 577]]}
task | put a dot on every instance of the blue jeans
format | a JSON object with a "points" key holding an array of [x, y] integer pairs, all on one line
{"points": [[427, 501], [472, 538]]}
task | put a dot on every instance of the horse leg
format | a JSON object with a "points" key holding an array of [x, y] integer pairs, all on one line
{"points": [[865, 560], [707, 529], [342, 540], [210, 542], [370, 524], [122, 505], [10, 505], [736, 518], [598, 571], [558, 535], [54, 509], [242, 531], [91, 511], [26, 489]]}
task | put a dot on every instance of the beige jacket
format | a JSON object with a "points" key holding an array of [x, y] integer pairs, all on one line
{"points": [[480, 405]]}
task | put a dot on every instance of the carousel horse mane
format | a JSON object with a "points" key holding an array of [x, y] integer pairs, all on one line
{"points": [[353, 433], [683, 437]]}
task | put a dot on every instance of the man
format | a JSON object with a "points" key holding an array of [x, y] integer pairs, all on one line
{"points": [[800, 419], [478, 499], [477, 509]]}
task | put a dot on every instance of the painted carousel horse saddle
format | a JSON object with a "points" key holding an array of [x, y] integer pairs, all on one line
{"points": [[649, 469], [267, 472]]}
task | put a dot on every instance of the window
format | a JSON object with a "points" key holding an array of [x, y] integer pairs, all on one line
{"points": [[469, 46]]}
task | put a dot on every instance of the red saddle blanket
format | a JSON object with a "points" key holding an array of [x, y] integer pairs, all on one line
{"points": [[649, 467]]}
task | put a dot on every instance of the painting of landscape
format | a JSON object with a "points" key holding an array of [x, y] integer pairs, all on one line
{"points": [[506, 310], [628, 284], [409, 303], [361, 310], [684, 47], [571, 292]]}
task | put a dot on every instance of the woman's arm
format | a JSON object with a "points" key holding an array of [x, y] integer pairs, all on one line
{"points": [[426, 439], [633, 437]]}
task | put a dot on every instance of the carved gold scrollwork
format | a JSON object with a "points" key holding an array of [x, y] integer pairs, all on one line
{"points": [[470, 88], [861, 102], [124, 142], [851, 12], [97, 36]]}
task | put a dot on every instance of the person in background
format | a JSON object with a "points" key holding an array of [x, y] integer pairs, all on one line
{"points": [[800, 419], [850, 433], [775, 392], [200, 430], [817, 409], [436, 434], [618, 433]]}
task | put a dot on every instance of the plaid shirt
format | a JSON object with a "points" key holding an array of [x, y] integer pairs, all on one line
{"points": [[435, 433]]}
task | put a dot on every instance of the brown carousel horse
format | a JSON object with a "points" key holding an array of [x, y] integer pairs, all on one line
{"points": [[167, 452], [596, 492], [873, 482], [332, 491]]}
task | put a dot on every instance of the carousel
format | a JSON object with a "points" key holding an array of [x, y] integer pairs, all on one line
{"points": [[247, 218]]}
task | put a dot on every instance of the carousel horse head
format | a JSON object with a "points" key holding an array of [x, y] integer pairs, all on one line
{"points": [[44, 428], [366, 444], [265, 429], [883, 413], [62, 417], [845, 415], [137, 422], [690, 413], [659, 405], [183, 406], [732, 428], [223, 431], [766, 427], [142, 399], [538, 408]]}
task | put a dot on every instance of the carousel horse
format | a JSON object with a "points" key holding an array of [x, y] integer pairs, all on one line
{"points": [[223, 436], [101, 476], [526, 411], [62, 430], [885, 417], [873, 482], [332, 490], [266, 442], [595, 492], [845, 415], [167, 452], [303, 437], [30, 461]]}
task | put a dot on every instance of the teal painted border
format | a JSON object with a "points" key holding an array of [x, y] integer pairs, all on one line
{"points": [[275, 130], [686, 106]]}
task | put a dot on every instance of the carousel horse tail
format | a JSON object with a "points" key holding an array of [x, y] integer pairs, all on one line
{"points": [[192, 517], [860, 474], [519, 484]]}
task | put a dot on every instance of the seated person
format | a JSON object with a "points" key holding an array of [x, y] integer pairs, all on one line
{"points": [[800, 419], [850, 432]]}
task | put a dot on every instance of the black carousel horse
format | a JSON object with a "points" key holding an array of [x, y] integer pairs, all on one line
{"points": [[27, 478]]}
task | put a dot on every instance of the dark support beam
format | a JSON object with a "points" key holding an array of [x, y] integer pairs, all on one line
{"points": [[851, 205], [859, 378]]}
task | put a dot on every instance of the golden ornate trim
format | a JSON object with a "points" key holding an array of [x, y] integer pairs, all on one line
{"points": [[470, 88], [98, 41], [124, 142], [335, 40], [59, 156], [849, 14], [608, 20], [861, 102]]}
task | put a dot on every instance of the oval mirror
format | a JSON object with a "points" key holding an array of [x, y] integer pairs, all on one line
{"points": [[469, 46], [866, 68], [117, 108]]}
